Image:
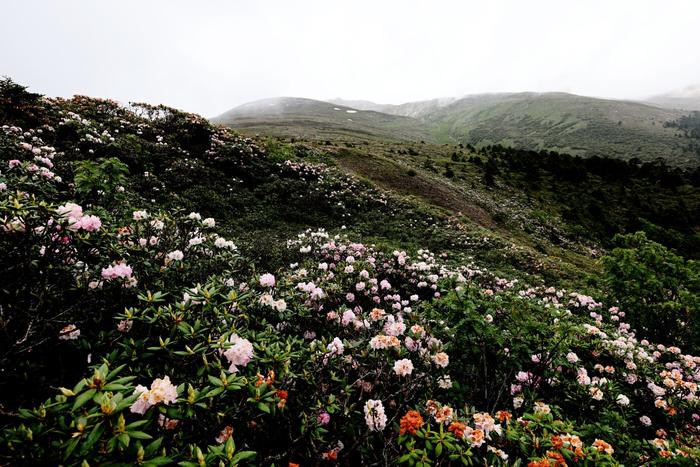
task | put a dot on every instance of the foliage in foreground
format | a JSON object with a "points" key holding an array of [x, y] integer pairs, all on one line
{"points": [[144, 336]]}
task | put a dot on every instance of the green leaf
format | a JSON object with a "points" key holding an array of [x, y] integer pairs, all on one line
{"points": [[215, 381], [215, 392], [159, 461], [262, 406], [82, 399], [136, 424], [124, 439], [243, 455], [92, 438], [153, 446]]}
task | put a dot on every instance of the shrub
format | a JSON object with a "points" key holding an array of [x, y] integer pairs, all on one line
{"points": [[658, 290]]}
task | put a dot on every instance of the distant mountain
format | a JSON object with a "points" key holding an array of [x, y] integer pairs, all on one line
{"points": [[568, 123], [686, 99], [409, 109], [298, 117], [577, 125]]}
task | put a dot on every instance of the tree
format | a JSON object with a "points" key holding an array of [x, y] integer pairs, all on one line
{"points": [[658, 290]]}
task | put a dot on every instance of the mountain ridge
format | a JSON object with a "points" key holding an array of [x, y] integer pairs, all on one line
{"points": [[555, 121]]}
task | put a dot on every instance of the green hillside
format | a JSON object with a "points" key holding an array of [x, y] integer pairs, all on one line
{"points": [[562, 122], [559, 122], [296, 117]]}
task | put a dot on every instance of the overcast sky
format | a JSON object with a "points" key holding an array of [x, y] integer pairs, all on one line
{"points": [[209, 56]]}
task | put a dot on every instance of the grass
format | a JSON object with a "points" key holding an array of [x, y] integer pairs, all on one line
{"points": [[553, 121]]}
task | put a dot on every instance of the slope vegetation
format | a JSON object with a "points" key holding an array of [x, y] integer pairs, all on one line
{"points": [[308, 118], [176, 294], [567, 123]]}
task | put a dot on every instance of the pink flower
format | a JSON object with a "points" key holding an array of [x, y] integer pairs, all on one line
{"points": [[267, 280], [323, 418], [89, 223], [239, 354], [70, 211], [336, 347], [14, 163], [117, 271]]}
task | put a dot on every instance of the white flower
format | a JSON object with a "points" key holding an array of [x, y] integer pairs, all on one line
{"points": [[176, 255], [336, 347], [596, 393], [157, 224], [403, 367], [196, 241], [375, 418], [162, 390], [195, 216], [239, 354], [69, 333], [445, 382], [540, 407], [140, 215], [623, 400], [441, 359], [571, 357], [209, 222]]}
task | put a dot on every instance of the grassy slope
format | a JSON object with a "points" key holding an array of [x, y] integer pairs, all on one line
{"points": [[296, 117], [562, 122], [554, 121]]}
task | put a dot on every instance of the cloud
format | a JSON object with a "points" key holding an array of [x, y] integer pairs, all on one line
{"points": [[209, 56]]}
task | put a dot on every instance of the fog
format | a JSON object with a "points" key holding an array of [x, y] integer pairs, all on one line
{"points": [[207, 57]]}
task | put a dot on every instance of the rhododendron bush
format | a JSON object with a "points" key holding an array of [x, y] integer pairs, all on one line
{"points": [[139, 330]]}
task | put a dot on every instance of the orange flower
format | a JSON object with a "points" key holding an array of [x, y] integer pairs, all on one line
{"points": [[225, 434], [457, 428], [477, 437], [665, 453], [432, 407], [411, 422], [557, 442], [556, 459], [259, 380], [503, 416], [331, 455], [539, 463], [282, 394], [603, 446], [292, 464]]}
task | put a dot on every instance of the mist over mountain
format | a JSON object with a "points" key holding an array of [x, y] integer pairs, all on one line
{"points": [[562, 122], [687, 98]]}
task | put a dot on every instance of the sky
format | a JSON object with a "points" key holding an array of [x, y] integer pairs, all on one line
{"points": [[209, 56]]}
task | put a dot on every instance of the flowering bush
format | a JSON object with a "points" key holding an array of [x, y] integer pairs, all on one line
{"points": [[135, 331]]}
